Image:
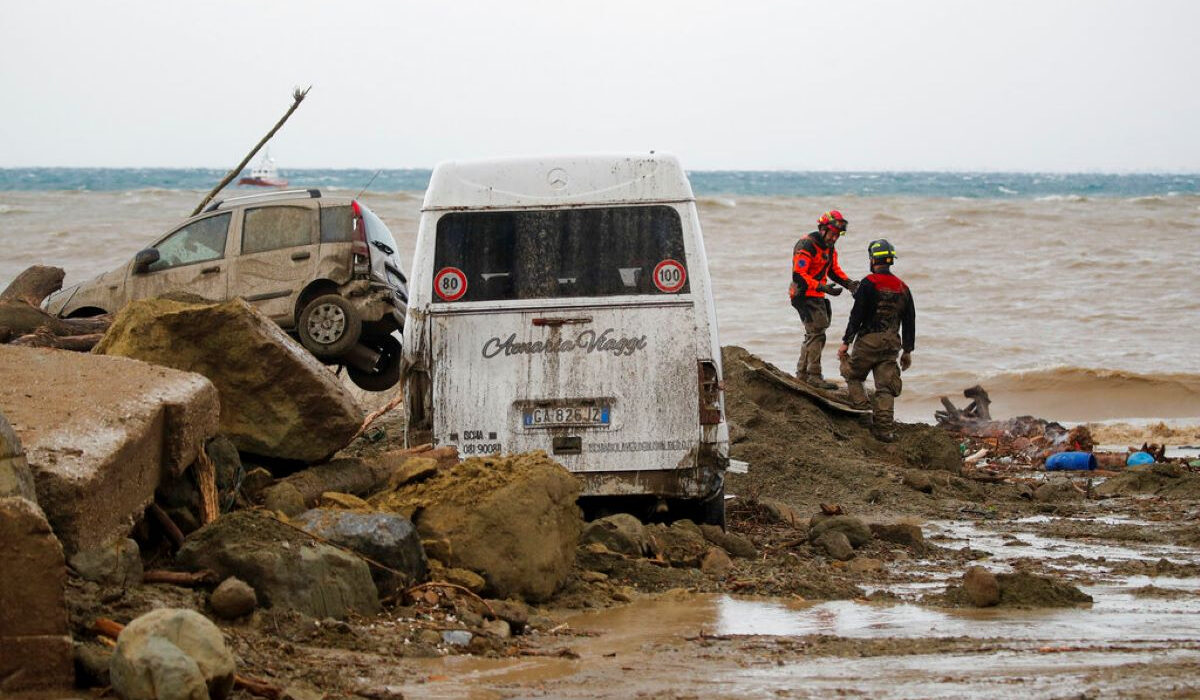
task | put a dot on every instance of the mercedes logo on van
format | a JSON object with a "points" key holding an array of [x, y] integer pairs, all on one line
{"points": [[557, 178]]}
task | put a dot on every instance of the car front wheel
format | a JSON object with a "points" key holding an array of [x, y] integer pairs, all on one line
{"points": [[329, 326]]}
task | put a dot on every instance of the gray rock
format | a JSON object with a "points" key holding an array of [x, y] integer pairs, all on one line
{"points": [[287, 568], [836, 544], [736, 545], [981, 586], [226, 461], [388, 538], [116, 564], [172, 653], [233, 599], [458, 638], [620, 532], [856, 532]]}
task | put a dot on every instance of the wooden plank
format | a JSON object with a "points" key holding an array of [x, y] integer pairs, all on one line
{"points": [[776, 376]]}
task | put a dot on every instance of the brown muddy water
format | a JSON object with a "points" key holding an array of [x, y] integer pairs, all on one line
{"points": [[1127, 643], [1073, 308]]}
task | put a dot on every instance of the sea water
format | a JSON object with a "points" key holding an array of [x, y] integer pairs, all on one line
{"points": [[1071, 297]]}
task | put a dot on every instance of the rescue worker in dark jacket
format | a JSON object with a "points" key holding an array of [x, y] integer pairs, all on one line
{"points": [[883, 323], [814, 260]]}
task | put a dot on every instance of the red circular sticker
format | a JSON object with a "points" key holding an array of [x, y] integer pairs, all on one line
{"points": [[450, 283], [669, 276]]}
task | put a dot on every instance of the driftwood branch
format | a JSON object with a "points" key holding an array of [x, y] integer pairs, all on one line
{"points": [[186, 579], [34, 284], [297, 97]]}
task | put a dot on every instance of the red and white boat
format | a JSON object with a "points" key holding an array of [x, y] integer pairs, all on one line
{"points": [[264, 174]]}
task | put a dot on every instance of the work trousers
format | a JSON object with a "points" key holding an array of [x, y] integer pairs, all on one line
{"points": [[814, 312], [875, 354]]}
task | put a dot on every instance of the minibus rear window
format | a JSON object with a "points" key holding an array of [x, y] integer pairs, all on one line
{"points": [[562, 253]]}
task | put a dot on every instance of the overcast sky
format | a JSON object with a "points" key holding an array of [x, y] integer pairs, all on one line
{"points": [[1045, 85]]}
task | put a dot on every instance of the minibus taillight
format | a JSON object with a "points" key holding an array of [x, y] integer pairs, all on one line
{"points": [[711, 387], [359, 247]]}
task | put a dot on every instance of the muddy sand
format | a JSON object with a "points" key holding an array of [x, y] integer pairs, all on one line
{"points": [[1097, 588]]}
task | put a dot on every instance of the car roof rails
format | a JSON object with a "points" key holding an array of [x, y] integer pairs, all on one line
{"points": [[311, 193]]}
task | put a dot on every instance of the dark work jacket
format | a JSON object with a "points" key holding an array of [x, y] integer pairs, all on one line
{"points": [[883, 304]]}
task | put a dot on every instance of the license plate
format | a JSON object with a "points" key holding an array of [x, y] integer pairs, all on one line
{"points": [[567, 415]]}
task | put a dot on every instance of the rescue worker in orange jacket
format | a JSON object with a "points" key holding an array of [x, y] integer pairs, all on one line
{"points": [[883, 323], [814, 262]]}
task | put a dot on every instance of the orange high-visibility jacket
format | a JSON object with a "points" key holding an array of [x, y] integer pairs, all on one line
{"points": [[812, 262]]}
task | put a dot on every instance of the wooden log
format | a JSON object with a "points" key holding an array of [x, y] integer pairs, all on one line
{"points": [[173, 532], [186, 579], [980, 402], [44, 338], [33, 285]]}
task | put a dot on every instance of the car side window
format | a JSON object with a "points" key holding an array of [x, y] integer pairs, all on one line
{"points": [[337, 224], [199, 241], [271, 228]]}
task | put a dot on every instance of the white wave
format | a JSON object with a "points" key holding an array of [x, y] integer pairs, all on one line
{"points": [[1006, 190], [1061, 198]]}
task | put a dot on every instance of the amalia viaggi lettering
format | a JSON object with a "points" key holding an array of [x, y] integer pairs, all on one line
{"points": [[586, 342]]}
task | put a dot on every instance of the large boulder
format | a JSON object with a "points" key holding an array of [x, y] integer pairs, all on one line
{"points": [[286, 567], [15, 477], [35, 647], [620, 532], [387, 538], [172, 653], [277, 400], [100, 434], [512, 519]]}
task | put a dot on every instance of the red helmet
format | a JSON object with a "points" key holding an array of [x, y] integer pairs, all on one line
{"points": [[832, 218]]}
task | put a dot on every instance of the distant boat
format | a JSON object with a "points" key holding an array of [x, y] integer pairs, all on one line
{"points": [[264, 174]]}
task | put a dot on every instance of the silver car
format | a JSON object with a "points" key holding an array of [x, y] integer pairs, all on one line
{"points": [[325, 269]]}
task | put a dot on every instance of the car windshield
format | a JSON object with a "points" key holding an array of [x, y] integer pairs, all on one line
{"points": [[503, 255]]}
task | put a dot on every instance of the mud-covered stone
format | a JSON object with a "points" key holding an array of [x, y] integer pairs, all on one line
{"points": [[513, 520], [286, 567], [620, 532], [856, 532], [735, 545], [387, 538], [35, 647], [118, 563], [277, 400], [232, 599], [716, 562], [284, 498], [900, 533], [781, 512], [981, 587], [836, 544], [172, 653], [681, 543]]}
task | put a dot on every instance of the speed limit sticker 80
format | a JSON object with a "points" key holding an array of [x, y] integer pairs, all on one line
{"points": [[450, 283], [669, 276]]}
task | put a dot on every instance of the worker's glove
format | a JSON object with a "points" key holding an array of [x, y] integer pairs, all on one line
{"points": [[852, 285], [829, 289], [905, 360]]}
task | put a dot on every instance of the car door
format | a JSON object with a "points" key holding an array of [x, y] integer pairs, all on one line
{"points": [[277, 258], [191, 259]]}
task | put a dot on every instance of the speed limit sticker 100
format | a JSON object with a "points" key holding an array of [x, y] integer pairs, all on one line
{"points": [[450, 283], [669, 276]]}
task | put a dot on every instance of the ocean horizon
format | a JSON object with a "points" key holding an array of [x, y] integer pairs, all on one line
{"points": [[705, 183]]}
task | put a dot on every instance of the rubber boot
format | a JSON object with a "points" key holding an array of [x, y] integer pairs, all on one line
{"points": [[818, 382]]}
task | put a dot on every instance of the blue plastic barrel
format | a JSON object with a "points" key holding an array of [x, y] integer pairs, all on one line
{"points": [[1138, 458], [1070, 461]]}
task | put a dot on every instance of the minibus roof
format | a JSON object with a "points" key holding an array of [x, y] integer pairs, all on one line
{"points": [[557, 181]]}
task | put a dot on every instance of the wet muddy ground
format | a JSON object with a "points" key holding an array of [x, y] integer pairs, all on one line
{"points": [[792, 621]]}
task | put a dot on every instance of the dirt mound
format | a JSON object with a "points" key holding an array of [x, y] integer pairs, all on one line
{"points": [[512, 520], [805, 454], [1169, 480]]}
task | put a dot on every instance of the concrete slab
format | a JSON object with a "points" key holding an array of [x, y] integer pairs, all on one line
{"points": [[100, 433]]}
